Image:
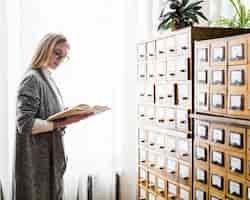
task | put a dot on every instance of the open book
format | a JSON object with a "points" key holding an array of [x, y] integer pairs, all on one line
{"points": [[76, 110]]}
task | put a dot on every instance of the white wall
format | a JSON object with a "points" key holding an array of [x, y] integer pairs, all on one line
{"points": [[4, 166]]}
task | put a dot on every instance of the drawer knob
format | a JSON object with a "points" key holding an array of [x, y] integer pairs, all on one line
{"points": [[152, 165], [161, 120], [149, 95], [161, 98], [142, 115], [151, 75], [171, 50], [185, 178], [152, 144], [142, 141], [142, 95], [142, 75], [184, 47], [161, 75], [161, 168], [162, 147], [184, 98], [141, 56], [172, 74], [172, 151], [184, 154], [170, 96], [183, 121], [151, 54], [182, 70], [171, 120], [172, 172], [161, 52], [151, 118]]}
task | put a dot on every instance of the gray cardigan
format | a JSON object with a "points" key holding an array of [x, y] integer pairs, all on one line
{"points": [[39, 159]]}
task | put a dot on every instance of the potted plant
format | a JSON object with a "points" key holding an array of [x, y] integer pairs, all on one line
{"points": [[241, 18], [179, 14]]}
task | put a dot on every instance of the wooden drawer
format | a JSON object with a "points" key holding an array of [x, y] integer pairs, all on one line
{"points": [[218, 158], [235, 188], [161, 187], [182, 66], [151, 50], [172, 169], [202, 54], [171, 46], [237, 104], [183, 121], [151, 71], [200, 193], [142, 156], [218, 134], [218, 79], [185, 193], [202, 130], [142, 136], [145, 93], [152, 140], [161, 71], [143, 177], [237, 51], [151, 182], [236, 139], [172, 191], [201, 153], [166, 117], [218, 53], [161, 142], [151, 196], [161, 162], [165, 94], [182, 44], [171, 69], [218, 102], [161, 49], [141, 51], [184, 150], [142, 71], [201, 175], [171, 146], [152, 159], [202, 98], [238, 79], [203, 76], [185, 174], [184, 95], [236, 164], [218, 181], [248, 190], [142, 194]]}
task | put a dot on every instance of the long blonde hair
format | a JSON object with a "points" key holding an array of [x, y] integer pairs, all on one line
{"points": [[45, 48]]}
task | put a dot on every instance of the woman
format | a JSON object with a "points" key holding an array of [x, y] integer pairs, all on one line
{"points": [[40, 160]]}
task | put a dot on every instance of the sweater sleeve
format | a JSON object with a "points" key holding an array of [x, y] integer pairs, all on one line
{"points": [[28, 103], [41, 126]]}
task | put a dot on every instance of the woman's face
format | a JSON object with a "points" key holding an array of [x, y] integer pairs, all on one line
{"points": [[58, 54]]}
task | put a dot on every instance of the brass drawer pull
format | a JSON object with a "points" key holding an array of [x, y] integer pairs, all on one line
{"points": [[184, 48], [171, 50], [161, 75], [172, 74]]}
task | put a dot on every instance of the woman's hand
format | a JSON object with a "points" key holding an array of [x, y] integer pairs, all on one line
{"points": [[72, 120]]}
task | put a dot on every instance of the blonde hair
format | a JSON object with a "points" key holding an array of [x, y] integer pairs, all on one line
{"points": [[45, 48]]}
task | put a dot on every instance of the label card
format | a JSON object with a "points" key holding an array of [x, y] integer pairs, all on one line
{"points": [[218, 100], [142, 156], [236, 102], [217, 181], [218, 135], [202, 77], [184, 195], [161, 162], [236, 164], [219, 54], [217, 158], [172, 166], [237, 52], [172, 189], [200, 195], [200, 154], [218, 77], [184, 171], [203, 99], [201, 175], [203, 54], [183, 146], [235, 140], [203, 131], [235, 188], [161, 183], [237, 77]]}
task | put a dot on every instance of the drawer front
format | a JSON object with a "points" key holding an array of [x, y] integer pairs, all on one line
{"points": [[218, 78], [171, 46], [236, 164], [201, 175], [237, 104], [218, 102], [150, 113], [218, 181], [201, 153], [145, 93], [172, 191], [218, 134], [141, 52], [152, 139], [235, 188], [202, 130], [171, 146], [142, 194], [185, 95], [183, 121], [142, 156], [219, 53], [202, 99], [236, 139], [152, 182], [237, 50], [142, 136], [202, 52], [238, 79], [200, 193], [161, 70], [151, 71], [142, 71], [151, 50], [161, 141], [143, 177], [214, 195], [152, 159], [184, 149], [218, 158], [202, 76], [182, 44], [165, 94], [161, 187], [172, 169], [182, 68], [185, 193], [171, 69], [161, 162], [185, 174], [161, 49], [166, 117], [151, 196]]}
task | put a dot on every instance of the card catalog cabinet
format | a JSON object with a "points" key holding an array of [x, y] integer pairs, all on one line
{"points": [[165, 102], [222, 77]]}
